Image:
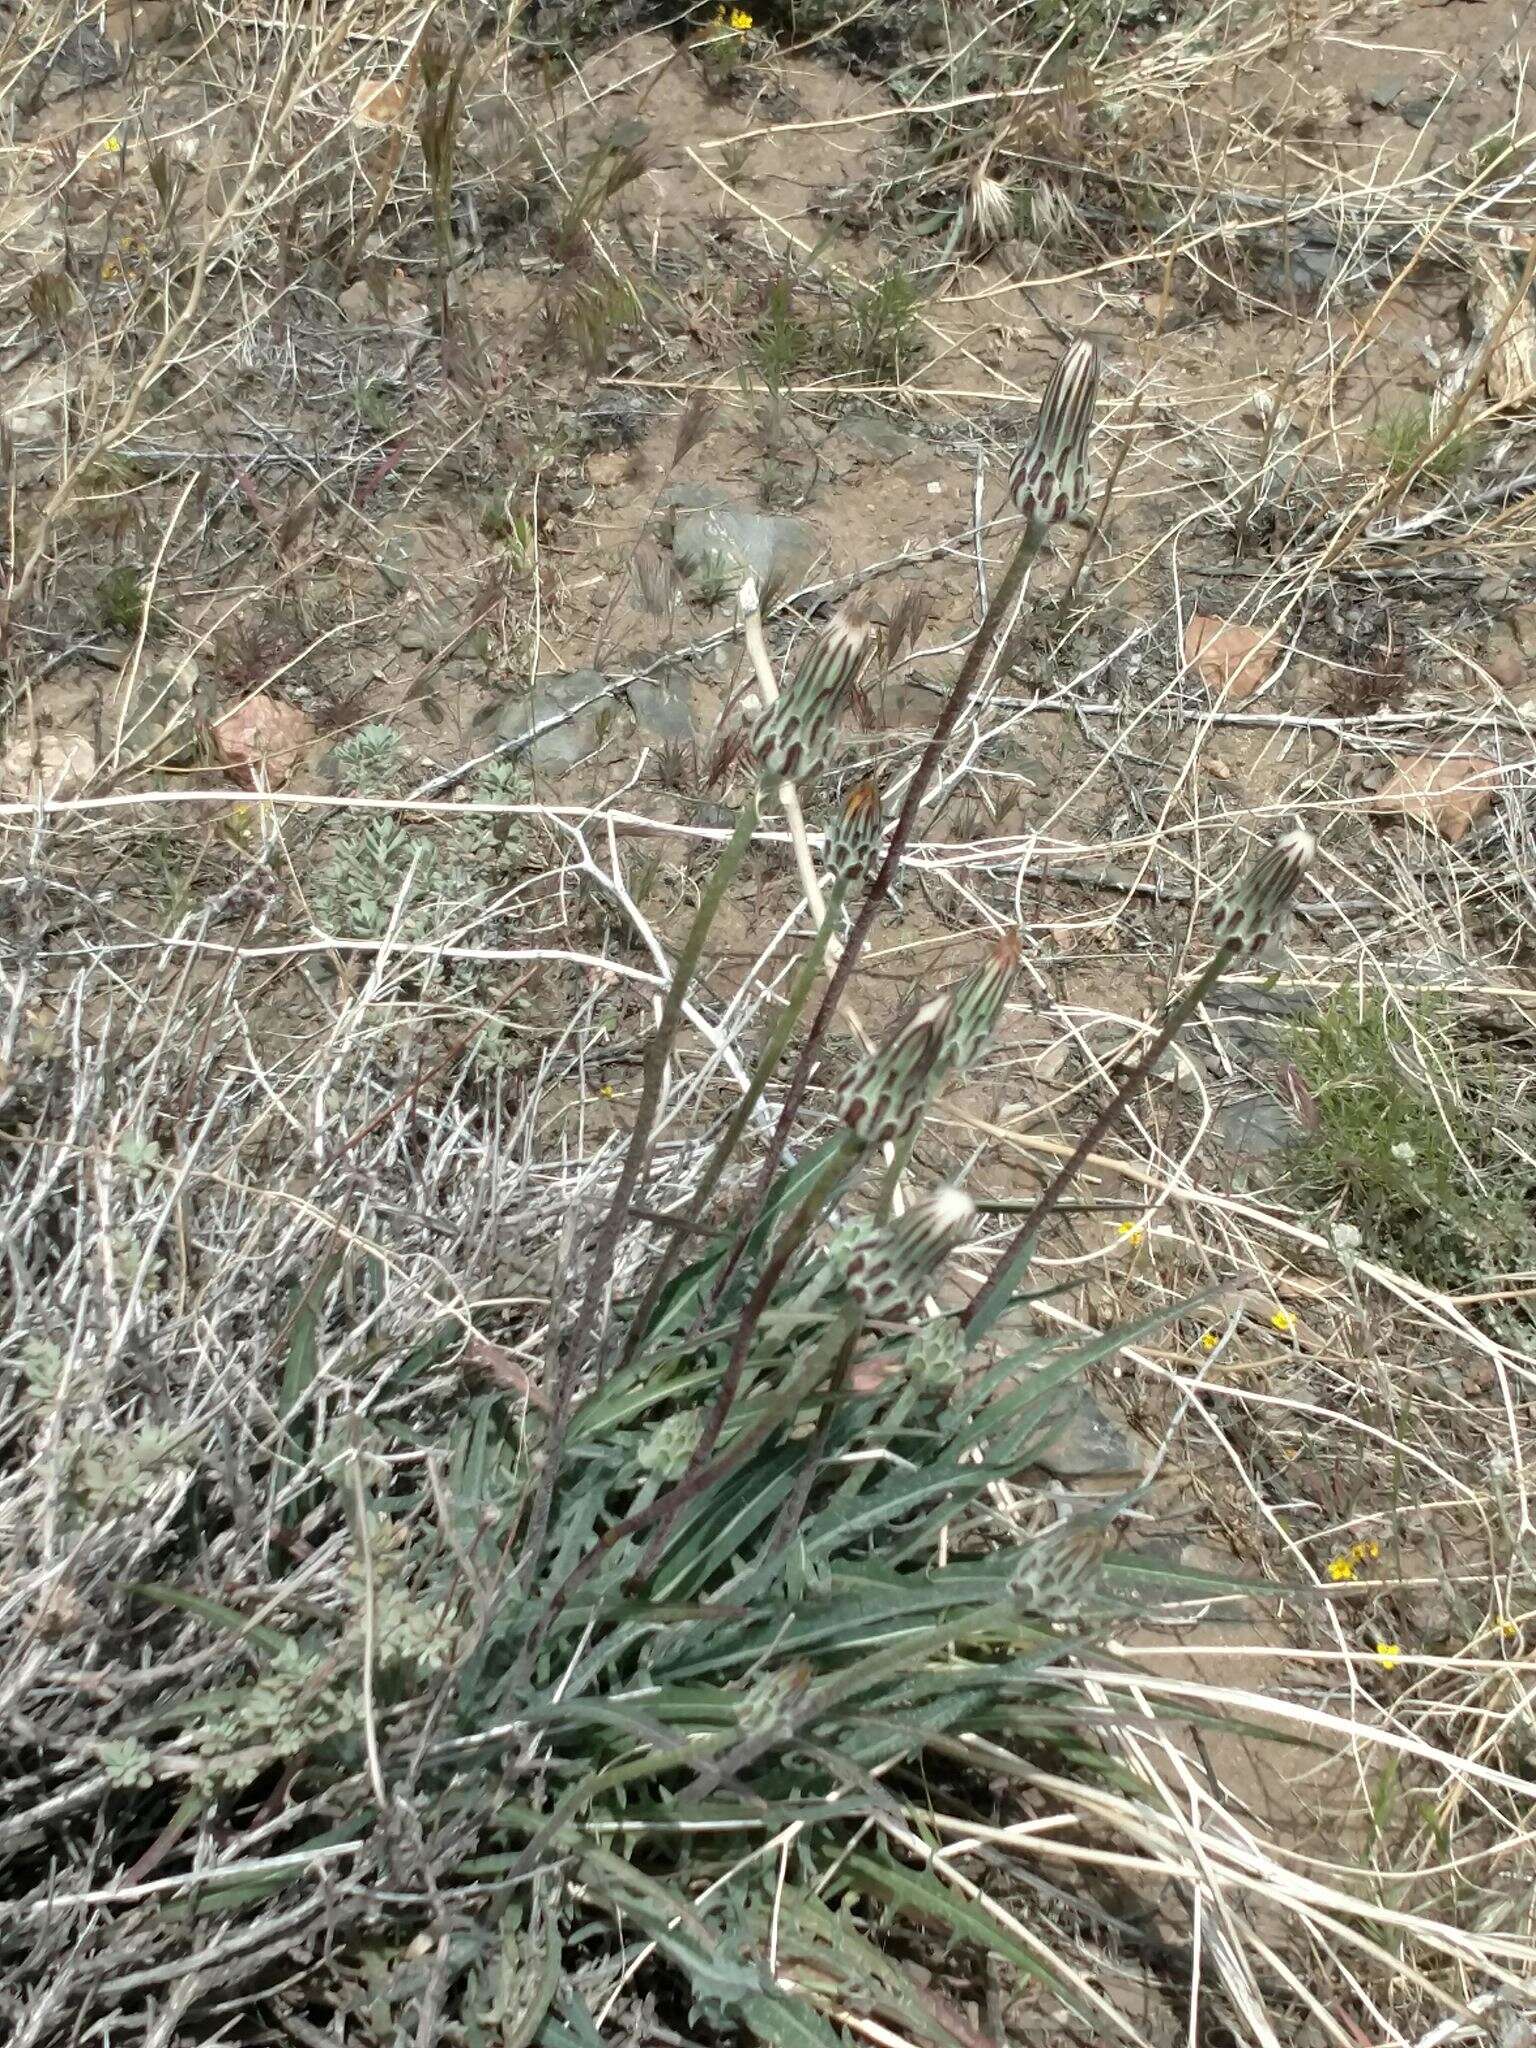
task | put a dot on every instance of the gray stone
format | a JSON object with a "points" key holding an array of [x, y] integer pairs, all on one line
{"points": [[1255, 1126], [1086, 1444], [1418, 113], [743, 541], [573, 738], [1386, 92], [663, 707], [878, 435]]}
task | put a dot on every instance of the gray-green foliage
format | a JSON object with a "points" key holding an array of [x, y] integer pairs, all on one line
{"points": [[381, 866]]}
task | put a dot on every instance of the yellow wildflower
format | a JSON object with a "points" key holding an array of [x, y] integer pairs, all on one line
{"points": [[606, 1091], [1340, 1568], [741, 21], [1508, 1630], [1388, 1654], [1282, 1321], [112, 145], [1133, 1231], [1209, 1340]]}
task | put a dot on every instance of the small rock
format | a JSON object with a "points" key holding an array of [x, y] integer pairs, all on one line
{"points": [[56, 764], [1230, 659], [582, 694], [663, 707], [260, 741], [1085, 1444], [1417, 113], [761, 544], [1254, 1126], [36, 411], [1447, 792], [1503, 658], [606, 469], [1386, 92], [878, 436]]}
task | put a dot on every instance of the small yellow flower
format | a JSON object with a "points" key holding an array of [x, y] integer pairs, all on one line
{"points": [[1508, 1630], [1133, 1231], [1209, 1340], [112, 145], [1340, 1568], [741, 21], [606, 1091], [1388, 1655], [1281, 1321]]}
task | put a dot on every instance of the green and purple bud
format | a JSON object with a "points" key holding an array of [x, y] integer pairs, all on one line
{"points": [[977, 1004], [1049, 478], [854, 836], [889, 1277], [1255, 904], [792, 737], [888, 1089]]}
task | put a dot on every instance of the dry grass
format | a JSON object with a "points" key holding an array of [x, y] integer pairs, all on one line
{"points": [[311, 1099]]}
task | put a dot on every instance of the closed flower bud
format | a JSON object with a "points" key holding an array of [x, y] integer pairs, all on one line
{"points": [[1049, 478], [977, 1004], [889, 1278], [1254, 905], [889, 1088], [793, 735], [854, 836]]}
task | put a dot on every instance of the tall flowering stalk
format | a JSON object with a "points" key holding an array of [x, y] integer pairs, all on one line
{"points": [[1251, 910]]}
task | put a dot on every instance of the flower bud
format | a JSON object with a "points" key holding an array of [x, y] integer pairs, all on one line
{"points": [[854, 836], [793, 734], [1254, 905], [889, 1278], [977, 1004], [1049, 478], [888, 1089]]}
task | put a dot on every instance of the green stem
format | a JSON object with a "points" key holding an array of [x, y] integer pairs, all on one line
{"points": [[573, 1352], [989, 1304], [762, 1074], [998, 613]]}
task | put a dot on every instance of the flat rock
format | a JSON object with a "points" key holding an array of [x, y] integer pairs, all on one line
{"points": [[1086, 1444], [663, 707], [741, 540], [877, 435], [1254, 1126], [1446, 792], [575, 735], [56, 764], [1232, 660], [260, 742]]}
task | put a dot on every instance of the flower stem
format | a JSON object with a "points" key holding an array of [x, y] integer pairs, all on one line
{"points": [[989, 1304]]}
